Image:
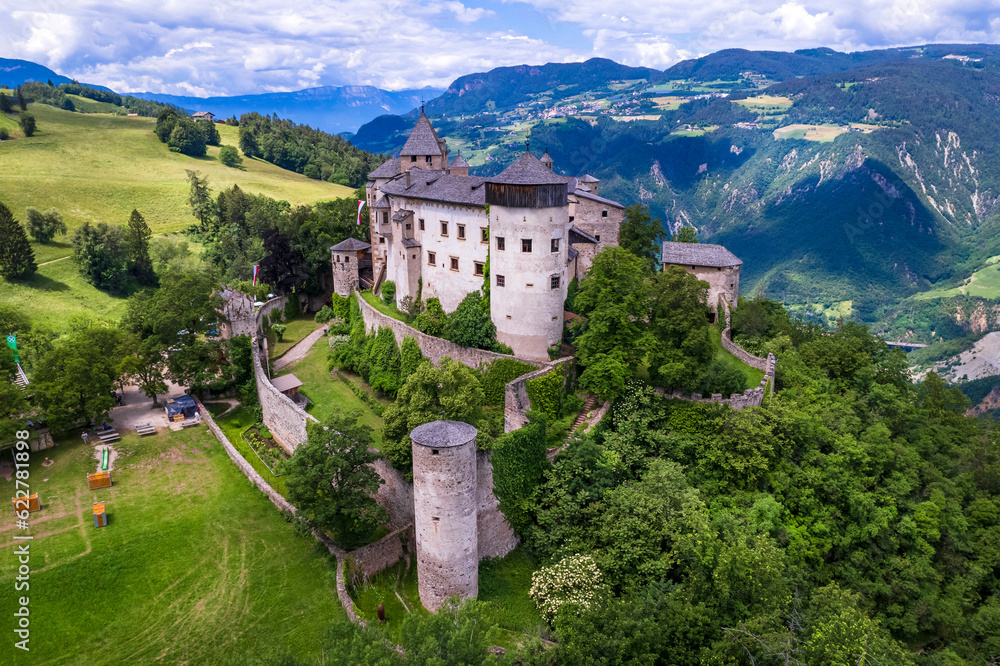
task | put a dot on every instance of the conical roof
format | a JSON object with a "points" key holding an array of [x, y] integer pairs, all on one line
{"points": [[459, 163], [423, 140], [546, 158], [527, 170]]}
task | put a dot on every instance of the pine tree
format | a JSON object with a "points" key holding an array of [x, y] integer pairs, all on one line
{"points": [[137, 236], [5, 105], [21, 102], [17, 259]]}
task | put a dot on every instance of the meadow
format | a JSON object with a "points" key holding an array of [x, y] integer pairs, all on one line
{"points": [[984, 283], [194, 566], [99, 167]]}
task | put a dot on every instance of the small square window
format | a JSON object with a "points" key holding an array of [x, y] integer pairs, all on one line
{"points": [[604, 213], [381, 239], [347, 260], [525, 245], [413, 158], [434, 452], [421, 221], [480, 268], [555, 244], [484, 235], [461, 232], [500, 243], [500, 281], [570, 218], [432, 258], [598, 238], [454, 263], [408, 226], [554, 282], [444, 228], [427, 159]]}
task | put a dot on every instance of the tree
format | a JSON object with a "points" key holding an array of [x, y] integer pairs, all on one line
{"points": [[641, 234], [613, 299], [230, 157], [209, 131], [44, 226], [470, 325], [75, 379], [27, 123], [248, 142], [144, 364], [686, 234], [5, 105], [433, 319], [681, 345], [137, 235], [21, 101], [102, 256], [458, 634], [17, 259], [187, 138], [331, 481], [282, 266], [165, 123], [449, 392], [200, 198]]}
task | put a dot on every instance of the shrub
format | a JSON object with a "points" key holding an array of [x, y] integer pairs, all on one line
{"points": [[4, 134], [324, 315], [341, 306], [470, 324], [292, 309], [384, 360], [279, 330], [388, 291], [410, 358], [545, 393], [498, 374], [432, 320], [28, 124], [572, 580], [519, 464], [230, 157]]}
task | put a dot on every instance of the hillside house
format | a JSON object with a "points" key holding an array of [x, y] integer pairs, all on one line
{"points": [[203, 115], [714, 264]]}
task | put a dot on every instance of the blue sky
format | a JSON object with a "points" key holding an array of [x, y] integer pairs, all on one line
{"points": [[246, 46]]}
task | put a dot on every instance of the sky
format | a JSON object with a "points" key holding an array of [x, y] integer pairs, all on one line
{"points": [[230, 47]]}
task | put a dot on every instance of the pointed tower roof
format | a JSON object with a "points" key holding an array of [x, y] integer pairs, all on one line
{"points": [[527, 170], [458, 162], [546, 159], [423, 140]]}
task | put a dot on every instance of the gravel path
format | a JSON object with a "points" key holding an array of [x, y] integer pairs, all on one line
{"points": [[299, 349]]}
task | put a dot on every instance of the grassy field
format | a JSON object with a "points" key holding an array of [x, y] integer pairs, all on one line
{"points": [[984, 283], [328, 394], [753, 375], [195, 565], [766, 104], [382, 306], [233, 424], [297, 329], [98, 167], [669, 103], [56, 292]]}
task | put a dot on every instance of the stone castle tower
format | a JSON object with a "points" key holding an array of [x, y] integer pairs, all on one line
{"points": [[529, 219], [445, 516]]}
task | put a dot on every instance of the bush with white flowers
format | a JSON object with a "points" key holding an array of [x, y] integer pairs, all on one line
{"points": [[574, 579]]}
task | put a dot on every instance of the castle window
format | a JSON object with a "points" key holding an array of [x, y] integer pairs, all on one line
{"points": [[598, 238], [434, 452], [421, 221], [432, 258], [454, 263], [571, 218], [604, 213], [385, 218], [413, 158], [500, 281], [347, 260], [554, 282], [427, 159], [525, 245], [408, 226], [461, 232], [381, 239], [480, 268], [444, 228], [718, 268], [484, 235], [555, 244], [500, 243]]}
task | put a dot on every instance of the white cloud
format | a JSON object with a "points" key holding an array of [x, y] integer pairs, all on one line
{"points": [[242, 46]]}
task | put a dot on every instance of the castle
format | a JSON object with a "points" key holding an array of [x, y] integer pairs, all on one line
{"points": [[435, 229]]}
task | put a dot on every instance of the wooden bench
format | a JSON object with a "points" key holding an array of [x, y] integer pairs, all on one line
{"points": [[143, 429], [108, 436], [190, 423]]}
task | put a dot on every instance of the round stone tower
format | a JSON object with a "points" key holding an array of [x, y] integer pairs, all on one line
{"points": [[529, 229], [444, 511]]}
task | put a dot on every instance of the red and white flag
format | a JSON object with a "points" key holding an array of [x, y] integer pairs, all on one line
{"points": [[361, 204], [256, 269]]}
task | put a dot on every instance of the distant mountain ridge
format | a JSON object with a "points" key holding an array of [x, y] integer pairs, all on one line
{"points": [[330, 108], [14, 72]]}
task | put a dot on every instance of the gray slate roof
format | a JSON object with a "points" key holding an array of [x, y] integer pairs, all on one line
{"points": [[383, 202], [423, 140], [459, 163], [350, 245], [410, 242], [388, 169], [527, 170], [587, 194], [439, 186], [698, 254], [573, 253], [580, 236], [546, 158], [401, 215], [286, 382], [587, 178]]}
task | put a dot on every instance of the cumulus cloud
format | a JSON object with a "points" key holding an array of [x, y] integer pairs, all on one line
{"points": [[244, 46]]}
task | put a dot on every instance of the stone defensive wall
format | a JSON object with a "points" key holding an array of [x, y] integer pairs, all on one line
{"points": [[516, 402], [493, 533]]}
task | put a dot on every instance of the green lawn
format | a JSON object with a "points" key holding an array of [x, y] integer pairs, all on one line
{"points": [[98, 167], [56, 292], [297, 329], [753, 375], [195, 565], [233, 424], [367, 596], [329, 394], [504, 582], [383, 307]]}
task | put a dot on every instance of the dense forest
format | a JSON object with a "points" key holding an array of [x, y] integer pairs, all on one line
{"points": [[56, 95]]}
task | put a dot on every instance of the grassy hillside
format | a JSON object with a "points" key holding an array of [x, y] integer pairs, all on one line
{"points": [[97, 168]]}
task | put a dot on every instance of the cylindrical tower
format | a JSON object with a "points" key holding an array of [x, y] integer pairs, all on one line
{"points": [[529, 222], [444, 511]]}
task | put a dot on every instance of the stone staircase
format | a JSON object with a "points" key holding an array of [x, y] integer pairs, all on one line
{"points": [[582, 416]]}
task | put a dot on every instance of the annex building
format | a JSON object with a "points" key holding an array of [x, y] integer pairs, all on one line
{"points": [[434, 227]]}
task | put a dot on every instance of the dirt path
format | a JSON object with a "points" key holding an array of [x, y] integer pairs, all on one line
{"points": [[46, 263], [299, 349]]}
